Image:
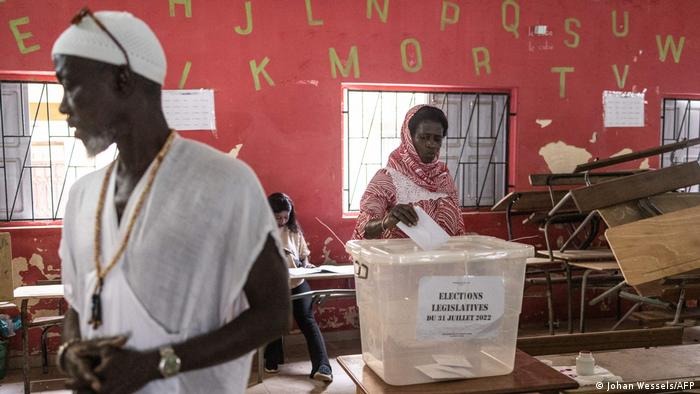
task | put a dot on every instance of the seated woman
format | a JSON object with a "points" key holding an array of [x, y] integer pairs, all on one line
{"points": [[297, 254], [413, 176]]}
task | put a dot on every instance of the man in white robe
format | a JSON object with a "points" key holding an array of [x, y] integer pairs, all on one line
{"points": [[200, 282]]}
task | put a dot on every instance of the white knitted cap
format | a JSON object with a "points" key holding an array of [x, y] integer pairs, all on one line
{"points": [[86, 39]]}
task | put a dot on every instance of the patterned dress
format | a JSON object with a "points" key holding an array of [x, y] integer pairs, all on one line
{"points": [[406, 179]]}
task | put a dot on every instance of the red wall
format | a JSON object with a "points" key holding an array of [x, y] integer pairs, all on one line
{"points": [[291, 132]]}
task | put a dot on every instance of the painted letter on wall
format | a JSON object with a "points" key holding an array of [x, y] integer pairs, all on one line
{"points": [[185, 74], [20, 37], [383, 12], [562, 78], [444, 18], [310, 15], [257, 70], [620, 81], [626, 22], [416, 62], [677, 50], [248, 19], [567, 27], [186, 3], [485, 60], [513, 27], [352, 62]]}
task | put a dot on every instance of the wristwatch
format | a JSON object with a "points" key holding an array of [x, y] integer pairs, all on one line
{"points": [[169, 364]]}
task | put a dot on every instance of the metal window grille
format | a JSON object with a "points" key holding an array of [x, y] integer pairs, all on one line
{"points": [[475, 148], [680, 120], [40, 158]]}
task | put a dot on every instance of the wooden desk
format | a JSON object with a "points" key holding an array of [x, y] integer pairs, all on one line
{"points": [[24, 294], [347, 271], [650, 365], [529, 375]]}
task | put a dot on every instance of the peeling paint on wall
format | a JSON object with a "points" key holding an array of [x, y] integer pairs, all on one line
{"points": [[37, 261], [562, 157], [543, 122], [327, 252], [644, 165], [594, 137], [19, 264], [337, 317], [234, 152], [622, 152], [308, 82], [351, 317]]}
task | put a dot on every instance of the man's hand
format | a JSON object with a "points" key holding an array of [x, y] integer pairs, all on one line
{"points": [[80, 359], [403, 213], [127, 370]]}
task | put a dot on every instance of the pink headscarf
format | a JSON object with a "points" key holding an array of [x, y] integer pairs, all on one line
{"points": [[433, 176], [380, 195]]}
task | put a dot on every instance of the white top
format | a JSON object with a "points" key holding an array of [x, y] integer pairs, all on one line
{"points": [[295, 248], [198, 234]]}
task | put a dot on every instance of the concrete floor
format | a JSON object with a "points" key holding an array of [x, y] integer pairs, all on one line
{"points": [[293, 375]]}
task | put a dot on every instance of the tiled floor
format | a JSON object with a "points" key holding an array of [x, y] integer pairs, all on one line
{"points": [[293, 375]]}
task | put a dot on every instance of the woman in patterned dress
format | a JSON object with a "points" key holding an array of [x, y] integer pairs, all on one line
{"points": [[414, 176]]}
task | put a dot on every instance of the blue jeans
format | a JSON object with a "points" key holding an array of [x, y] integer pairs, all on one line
{"points": [[304, 316]]}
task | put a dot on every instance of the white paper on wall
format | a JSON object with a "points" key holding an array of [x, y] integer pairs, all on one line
{"points": [[189, 109], [623, 109], [452, 307]]}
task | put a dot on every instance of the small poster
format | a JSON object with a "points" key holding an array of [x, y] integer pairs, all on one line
{"points": [[623, 109], [452, 307], [189, 109]]}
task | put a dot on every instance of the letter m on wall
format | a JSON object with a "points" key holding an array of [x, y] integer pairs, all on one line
{"points": [[352, 62]]}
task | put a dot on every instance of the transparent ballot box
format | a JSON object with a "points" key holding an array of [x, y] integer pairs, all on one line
{"points": [[444, 314]]}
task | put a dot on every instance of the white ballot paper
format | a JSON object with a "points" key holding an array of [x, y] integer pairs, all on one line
{"points": [[426, 233]]}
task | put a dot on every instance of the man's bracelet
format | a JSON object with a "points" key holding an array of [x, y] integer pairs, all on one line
{"points": [[61, 355]]}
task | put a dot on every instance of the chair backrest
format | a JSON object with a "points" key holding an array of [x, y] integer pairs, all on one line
{"points": [[6, 287]]}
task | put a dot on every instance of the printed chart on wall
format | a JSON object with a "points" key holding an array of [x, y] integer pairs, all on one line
{"points": [[459, 307], [623, 109], [189, 109]]}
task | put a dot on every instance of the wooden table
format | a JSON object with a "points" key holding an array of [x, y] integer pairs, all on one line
{"points": [[345, 272], [24, 294], [529, 374], [647, 365]]}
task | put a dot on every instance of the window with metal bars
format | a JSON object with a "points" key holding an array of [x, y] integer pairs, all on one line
{"points": [[40, 159], [475, 148], [680, 120]]}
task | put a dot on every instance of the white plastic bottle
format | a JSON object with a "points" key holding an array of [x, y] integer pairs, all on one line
{"points": [[585, 363]]}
